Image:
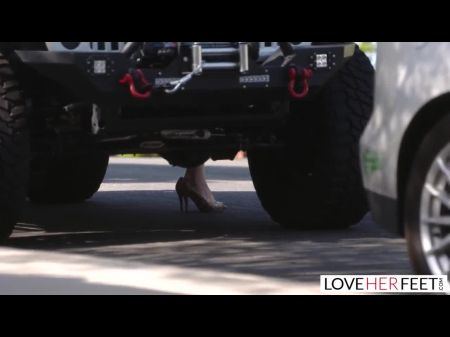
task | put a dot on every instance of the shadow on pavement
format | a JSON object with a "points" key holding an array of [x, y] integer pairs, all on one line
{"points": [[238, 241], [147, 227]]}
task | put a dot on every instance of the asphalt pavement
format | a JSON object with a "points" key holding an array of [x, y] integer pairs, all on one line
{"points": [[131, 238]]}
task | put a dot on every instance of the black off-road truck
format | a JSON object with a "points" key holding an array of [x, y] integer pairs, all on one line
{"points": [[297, 108]]}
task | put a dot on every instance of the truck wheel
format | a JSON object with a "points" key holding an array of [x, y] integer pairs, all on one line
{"points": [[65, 179], [426, 211], [314, 181], [14, 149]]}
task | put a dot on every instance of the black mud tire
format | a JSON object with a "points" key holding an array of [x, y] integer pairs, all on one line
{"points": [[314, 182], [66, 178], [14, 149]]}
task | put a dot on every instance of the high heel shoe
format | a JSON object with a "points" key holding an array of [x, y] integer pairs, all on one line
{"points": [[186, 192]]}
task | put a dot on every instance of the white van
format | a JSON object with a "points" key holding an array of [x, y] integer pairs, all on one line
{"points": [[405, 150]]}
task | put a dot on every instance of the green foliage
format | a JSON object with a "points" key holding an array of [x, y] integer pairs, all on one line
{"points": [[367, 47]]}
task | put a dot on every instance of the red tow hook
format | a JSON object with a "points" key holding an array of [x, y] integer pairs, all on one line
{"points": [[129, 79], [304, 75]]}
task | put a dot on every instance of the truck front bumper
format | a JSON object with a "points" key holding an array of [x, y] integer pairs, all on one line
{"points": [[81, 75]]}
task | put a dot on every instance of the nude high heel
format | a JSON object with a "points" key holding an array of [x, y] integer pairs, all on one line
{"points": [[186, 192]]}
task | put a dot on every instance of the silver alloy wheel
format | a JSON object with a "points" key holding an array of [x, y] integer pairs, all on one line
{"points": [[435, 214]]}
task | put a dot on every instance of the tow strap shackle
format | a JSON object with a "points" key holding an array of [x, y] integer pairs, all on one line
{"points": [[302, 75], [137, 76]]}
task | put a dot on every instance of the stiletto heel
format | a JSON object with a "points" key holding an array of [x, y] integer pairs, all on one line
{"points": [[180, 193], [181, 202], [186, 192]]}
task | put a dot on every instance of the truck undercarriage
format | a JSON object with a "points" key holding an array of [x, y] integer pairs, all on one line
{"points": [[214, 97], [296, 108]]}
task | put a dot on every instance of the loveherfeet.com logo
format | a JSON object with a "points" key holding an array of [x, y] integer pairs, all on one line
{"points": [[384, 284]]}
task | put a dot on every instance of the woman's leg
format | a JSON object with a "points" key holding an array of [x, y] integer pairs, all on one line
{"points": [[196, 177]]}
